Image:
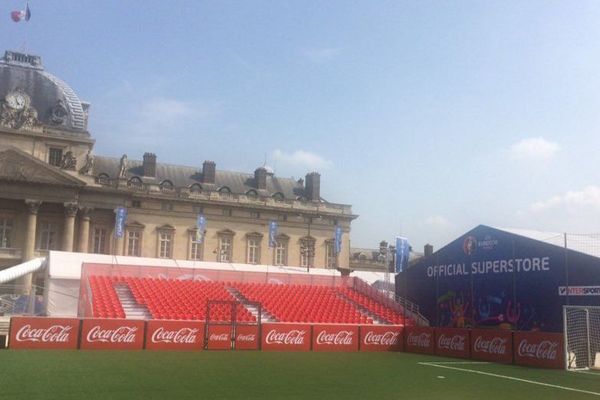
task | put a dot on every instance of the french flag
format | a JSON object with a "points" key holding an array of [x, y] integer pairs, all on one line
{"points": [[18, 16]]}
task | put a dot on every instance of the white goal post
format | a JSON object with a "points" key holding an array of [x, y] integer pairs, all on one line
{"points": [[582, 337]]}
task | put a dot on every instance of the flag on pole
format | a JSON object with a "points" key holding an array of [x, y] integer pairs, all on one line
{"points": [[402, 252], [121, 217], [23, 15], [200, 228], [273, 234], [338, 240]]}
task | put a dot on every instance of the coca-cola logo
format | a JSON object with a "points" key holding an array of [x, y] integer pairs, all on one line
{"points": [[251, 337], [419, 340], [544, 350], [388, 338], [181, 336], [343, 338], [455, 343], [294, 336], [221, 337], [495, 345], [122, 334], [52, 334]]}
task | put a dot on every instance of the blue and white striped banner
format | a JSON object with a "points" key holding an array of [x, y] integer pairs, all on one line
{"points": [[402, 253], [120, 219], [200, 228], [338, 240], [273, 234]]}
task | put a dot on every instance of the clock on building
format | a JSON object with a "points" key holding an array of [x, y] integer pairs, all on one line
{"points": [[17, 100]]}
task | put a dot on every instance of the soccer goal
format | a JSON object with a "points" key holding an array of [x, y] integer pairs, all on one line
{"points": [[582, 336]]}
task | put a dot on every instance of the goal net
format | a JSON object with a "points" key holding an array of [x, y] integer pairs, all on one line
{"points": [[582, 336]]}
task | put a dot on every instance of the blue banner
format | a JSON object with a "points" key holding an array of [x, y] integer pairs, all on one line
{"points": [[273, 234], [338, 240], [200, 228], [402, 252], [120, 218]]}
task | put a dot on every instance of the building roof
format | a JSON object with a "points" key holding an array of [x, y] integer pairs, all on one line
{"points": [[185, 176], [55, 102]]}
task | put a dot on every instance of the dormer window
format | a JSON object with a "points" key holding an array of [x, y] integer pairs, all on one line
{"points": [[252, 194], [135, 183], [196, 188], [166, 186], [278, 196], [225, 192], [103, 179]]}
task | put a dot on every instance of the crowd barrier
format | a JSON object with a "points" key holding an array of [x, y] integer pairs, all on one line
{"points": [[540, 349]]}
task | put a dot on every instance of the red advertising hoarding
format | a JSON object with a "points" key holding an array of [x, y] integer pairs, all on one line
{"points": [[174, 335], [451, 342], [381, 338], [247, 337], [335, 338], [492, 345], [112, 334], [419, 339], [43, 333], [286, 337], [219, 337], [539, 349]]}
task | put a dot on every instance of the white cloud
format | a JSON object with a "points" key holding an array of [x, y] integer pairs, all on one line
{"points": [[534, 149], [321, 54], [437, 221], [301, 159], [588, 197]]}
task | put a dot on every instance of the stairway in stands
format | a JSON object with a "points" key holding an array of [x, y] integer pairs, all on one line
{"points": [[133, 310], [363, 310], [265, 317]]}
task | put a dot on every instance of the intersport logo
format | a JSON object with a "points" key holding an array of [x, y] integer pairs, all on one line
{"points": [[294, 336], [52, 334], [246, 338], [496, 345], [122, 334], [181, 336], [344, 338], [456, 342], [422, 340], [544, 350], [388, 338], [222, 337]]}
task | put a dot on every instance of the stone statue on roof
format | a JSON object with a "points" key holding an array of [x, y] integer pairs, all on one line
{"points": [[122, 166], [89, 164]]}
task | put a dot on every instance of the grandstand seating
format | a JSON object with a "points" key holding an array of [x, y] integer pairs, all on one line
{"points": [[187, 300]]}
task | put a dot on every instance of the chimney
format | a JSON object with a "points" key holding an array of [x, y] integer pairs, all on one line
{"points": [[312, 188], [149, 164], [428, 250], [208, 171], [260, 176]]}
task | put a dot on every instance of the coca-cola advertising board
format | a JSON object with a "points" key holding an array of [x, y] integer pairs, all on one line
{"points": [[112, 334], [246, 337], [43, 333], [286, 337], [174, 335], [492, 345], [335, 338], [539, 349], [381, 338], [452, 342], [419, 339], [219, 337]]}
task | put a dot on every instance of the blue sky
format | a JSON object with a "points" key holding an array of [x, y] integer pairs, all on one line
{"points": [[428, 117]]}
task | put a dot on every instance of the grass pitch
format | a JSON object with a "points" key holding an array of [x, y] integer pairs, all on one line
{"points": [[148, 375]]}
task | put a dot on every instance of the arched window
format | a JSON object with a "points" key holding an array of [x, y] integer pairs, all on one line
{"points": [[166, 186], [225, 192], [252, 194], [278, 196], [196, 188], [135, 183], [103, 179]]}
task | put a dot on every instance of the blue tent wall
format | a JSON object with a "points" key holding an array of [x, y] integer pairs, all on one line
{"points": [[470, 283]]}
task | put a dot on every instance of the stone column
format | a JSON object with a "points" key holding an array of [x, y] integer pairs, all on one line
{"points": [[69, 228], [24, 282], [84, 230]]}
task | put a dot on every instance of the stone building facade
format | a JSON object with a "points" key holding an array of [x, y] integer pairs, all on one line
{"points": [[55, 193]]}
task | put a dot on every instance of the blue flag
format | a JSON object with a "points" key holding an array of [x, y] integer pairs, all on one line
{"points": [[200, 228], [273, 234], [402, 252], [120, 218], [338, 240]]}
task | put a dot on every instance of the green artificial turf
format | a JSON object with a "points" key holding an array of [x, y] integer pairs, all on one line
{"points": [[88, 375]]}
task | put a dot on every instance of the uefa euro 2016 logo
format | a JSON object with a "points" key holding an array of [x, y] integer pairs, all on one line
{"points": [[469, 245]]}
